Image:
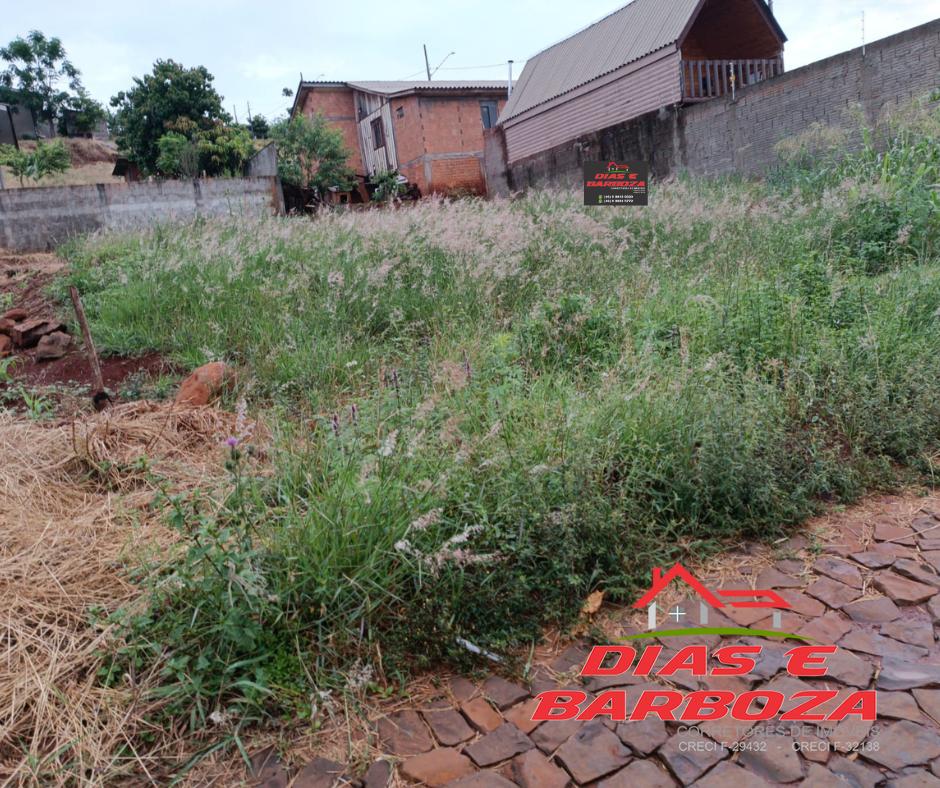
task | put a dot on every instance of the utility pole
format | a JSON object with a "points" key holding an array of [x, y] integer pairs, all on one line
{"points": [[427, 66], [235, 110], [509, 86], [249, 112]]}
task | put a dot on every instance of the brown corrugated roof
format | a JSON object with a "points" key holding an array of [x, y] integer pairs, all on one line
{"points": [[395, 87], [634, 31]]}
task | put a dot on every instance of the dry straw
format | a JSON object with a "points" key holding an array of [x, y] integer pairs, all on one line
{"points": [[75, 510]]}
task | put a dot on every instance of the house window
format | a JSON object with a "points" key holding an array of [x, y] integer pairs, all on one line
{"points": [[400, 112], [378, 134], [488, 113]]}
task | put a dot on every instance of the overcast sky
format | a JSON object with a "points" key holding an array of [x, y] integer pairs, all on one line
{"points": [[255, 49]]}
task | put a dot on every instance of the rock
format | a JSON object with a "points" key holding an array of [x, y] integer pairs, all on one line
{"points": [[902, 590], [643, 736], [648, 774], [728, 774], [901, 745], [53, 346], [594, 751], [267, 769], [929, 701], [802, 604], [898, 534], [933, 607], [437, 767], [549, 736], [916, 571], [15, 315], [462, 689], [870, 643], [319, 773], [825, 629], [772, 757], [873, 560], [448, 726], [932, 557], [482, 780], [403, 733], [832, 592], [872, 611], [534, 770], [847, 668], [379, 775], [6, 346], [916, 780], [772, 577], [897, 674], [842, 773], [899, 706], [850, 733], [520, 715], [5, 326], [572, 658], [841, 571], [481, 715], [689, 755], [28, 333], [503, 743], [916, 632], [502, 693], [204, 384]]}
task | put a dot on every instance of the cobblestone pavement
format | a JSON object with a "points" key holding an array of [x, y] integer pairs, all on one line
{"points": [[868, 584]]}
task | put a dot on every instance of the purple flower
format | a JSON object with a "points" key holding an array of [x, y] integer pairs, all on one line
{"points": [[231, 442]]}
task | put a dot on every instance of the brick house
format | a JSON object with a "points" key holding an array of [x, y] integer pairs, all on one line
{"points": [[430, 132]]}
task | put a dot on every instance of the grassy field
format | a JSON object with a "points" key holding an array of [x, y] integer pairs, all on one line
{"points": [[482, 411]]}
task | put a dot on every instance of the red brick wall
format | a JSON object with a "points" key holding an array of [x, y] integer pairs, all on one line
{"points": [[430, 130], [336, 105]]}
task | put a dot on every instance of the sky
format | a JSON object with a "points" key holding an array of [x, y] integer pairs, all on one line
{"points": [[254, 49]]}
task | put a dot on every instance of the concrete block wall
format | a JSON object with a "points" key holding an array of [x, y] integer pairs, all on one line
{"points": [[35, 220], [723, 136]]}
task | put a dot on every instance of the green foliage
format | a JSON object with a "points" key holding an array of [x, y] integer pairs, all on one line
{"points": [[43, 160], [36, 65], [221, 150], [483, 410], [311, 154], [158, 102], [88, 113], [388, 186], [259, 127]]}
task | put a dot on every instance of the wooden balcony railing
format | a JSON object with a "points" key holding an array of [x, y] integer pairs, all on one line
{"points": [[705, 79]]}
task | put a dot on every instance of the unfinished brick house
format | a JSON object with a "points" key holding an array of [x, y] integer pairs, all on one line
{"points": [[430, 132], [647, 55]]}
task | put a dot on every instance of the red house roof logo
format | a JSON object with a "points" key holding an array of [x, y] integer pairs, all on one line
{"points": [[745, 597]]}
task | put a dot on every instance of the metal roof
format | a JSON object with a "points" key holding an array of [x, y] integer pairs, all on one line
{"points": [[396, 87]]}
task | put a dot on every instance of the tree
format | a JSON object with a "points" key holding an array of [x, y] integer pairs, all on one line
{"points": [[157, 101], [36, 66], [45, 159], [259, 127], [311, 154], [88, 113]]}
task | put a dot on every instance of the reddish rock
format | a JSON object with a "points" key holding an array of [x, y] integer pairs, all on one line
{"points": [[5, 326], [932, 557], [826, 629], [898, 534], [902, 590], [520, 715], [689, 755], [462, 689], [929, 701], [728, 774], [267, 769], [503, 743], [481, 715], [482, 780], [572, 658], [841, 571], [772, 757], [898, 706], [917, 632], [933, 607], [645, 774], [873, 560], [534, 770], [379, 775], [549, 736], [772, 577], [919, 779], [856, 772], [319, 773], [437, 767], [802, 604], [833, 593], [850, 733], [15, 315], [903, 744], [403, 733], [28, 333], [448, 726], [897, 674], [594, 751], [204, 384], [53, 346], [916, 571], [872, 611], [643, 736], [6, 346], [502, 693], [867, 642]]}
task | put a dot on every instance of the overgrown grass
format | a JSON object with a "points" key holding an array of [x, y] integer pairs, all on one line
{"points": [[484, 410]]}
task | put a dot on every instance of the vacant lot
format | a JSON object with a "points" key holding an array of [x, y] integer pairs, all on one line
{"points": [[479, 412]]}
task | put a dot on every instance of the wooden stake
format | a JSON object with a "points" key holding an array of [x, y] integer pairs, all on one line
{"points": [[89, 344]]}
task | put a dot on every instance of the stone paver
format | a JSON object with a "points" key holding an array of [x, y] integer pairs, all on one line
{"points": [[483, 736], [438, 767]]}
